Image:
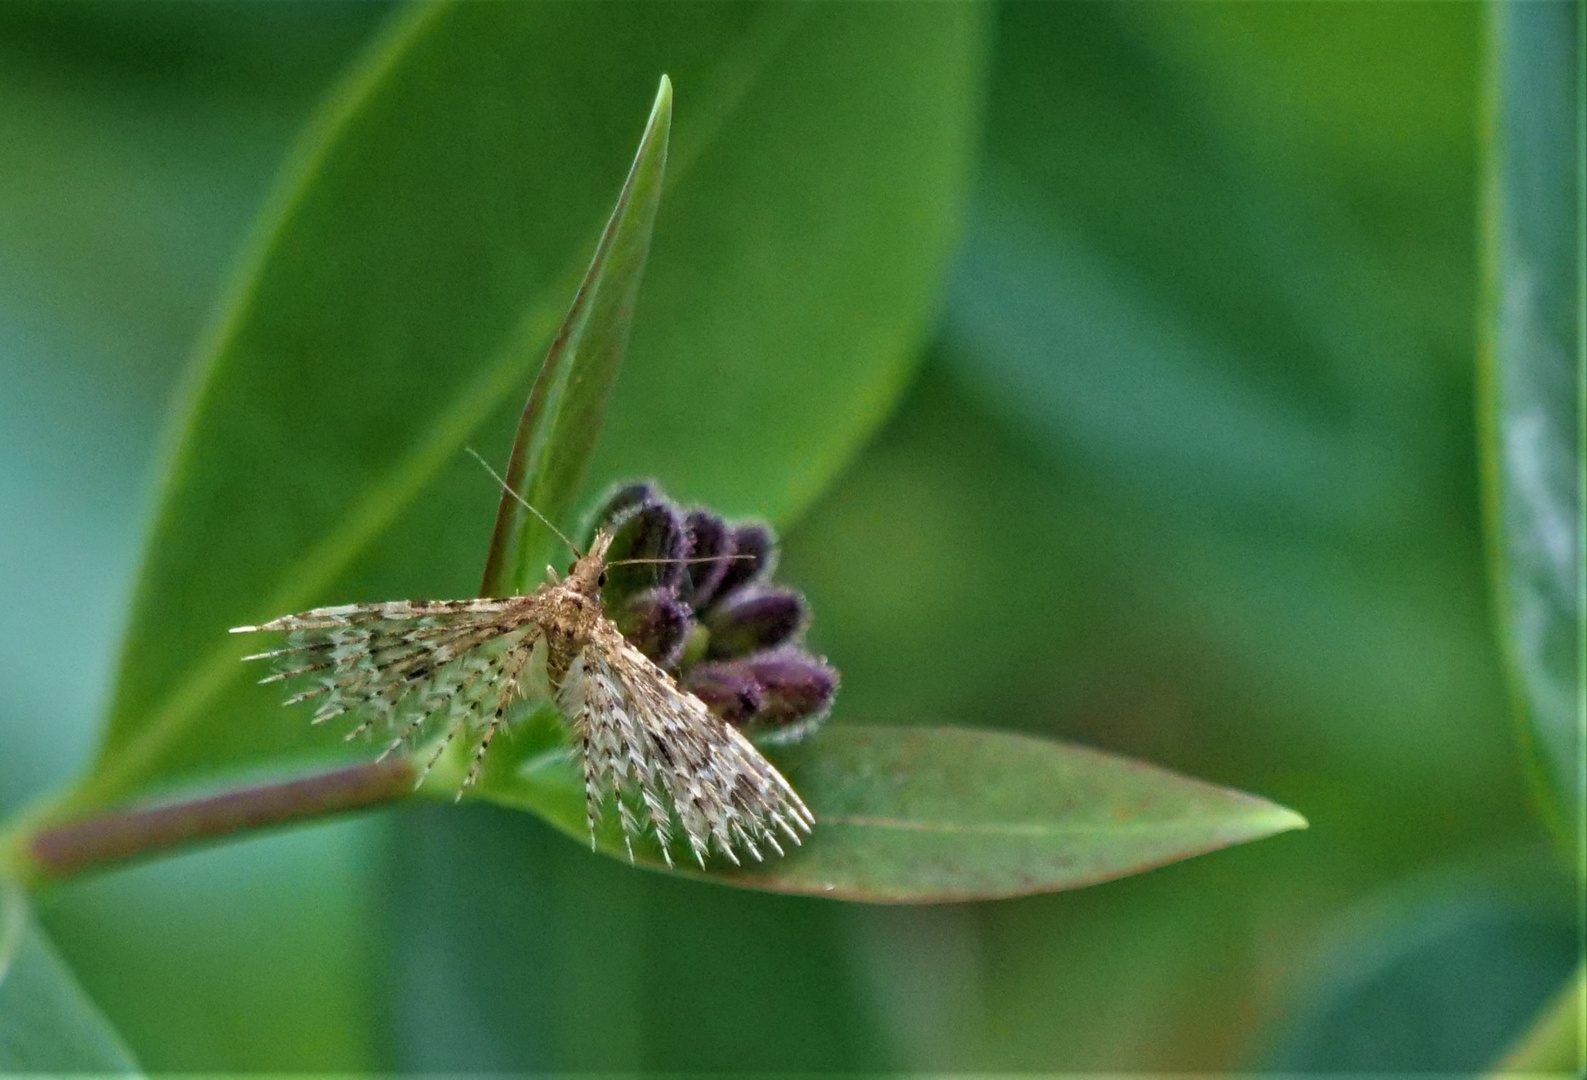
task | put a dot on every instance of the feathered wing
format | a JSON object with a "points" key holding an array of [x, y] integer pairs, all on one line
{"points": [[401, 664], [646, 740]]}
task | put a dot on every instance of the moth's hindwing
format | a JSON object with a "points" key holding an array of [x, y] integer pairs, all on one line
{"points": [[659, 750]]}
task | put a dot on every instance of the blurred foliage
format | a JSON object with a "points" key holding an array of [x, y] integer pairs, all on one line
{"points": [[1190, 475], [1553, 1041], [47, 1023], [1532, 366], [1437, 975], [144, 139]]}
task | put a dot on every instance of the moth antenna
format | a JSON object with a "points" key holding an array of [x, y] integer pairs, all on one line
{"points": [[704, 558], [525, 502]]}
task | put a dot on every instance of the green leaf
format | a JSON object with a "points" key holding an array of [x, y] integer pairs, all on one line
{"points": [[1533, 336], [919, 815], [513, 950], [1436, 975], [408, 276], [562, 419], [1144, 291], [1554, 1042], [47, 1023], [275, 972], [1236, 337]]}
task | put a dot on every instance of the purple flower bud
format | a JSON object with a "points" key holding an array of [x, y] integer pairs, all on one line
{"points": [[753, 618], [651, 532], [794, 686], [739, 653], [754, 552], [709, 539], [730, 690], [625, 500], [656, 623]]}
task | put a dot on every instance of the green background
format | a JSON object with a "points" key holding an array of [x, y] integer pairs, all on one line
{"points": [[1183, 465]]}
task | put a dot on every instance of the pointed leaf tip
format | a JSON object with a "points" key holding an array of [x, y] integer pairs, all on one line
{"points": [[930, 815], [562, 419]]}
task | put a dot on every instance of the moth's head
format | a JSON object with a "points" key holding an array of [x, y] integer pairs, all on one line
{"points": [[588, 573]]}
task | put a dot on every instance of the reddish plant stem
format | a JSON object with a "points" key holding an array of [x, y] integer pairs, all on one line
{"points": [[63, 849]]}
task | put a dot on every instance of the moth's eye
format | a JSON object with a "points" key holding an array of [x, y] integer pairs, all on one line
{"points": [[571, 565], [601, 580]]}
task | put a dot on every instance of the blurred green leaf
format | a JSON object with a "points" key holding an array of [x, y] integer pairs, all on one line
{"points": [[562, 420], [47, 1023], [1553, 1044], [513, 951], [143, 138], [921, 815], [1165, 259], [275, 966], [1251, 342], [1533, 335], [1437, 976], [1087, 357], [410, 272]]}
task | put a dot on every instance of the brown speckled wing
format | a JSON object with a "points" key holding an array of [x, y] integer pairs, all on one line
{"points": [[409, 666], [661, 752]]}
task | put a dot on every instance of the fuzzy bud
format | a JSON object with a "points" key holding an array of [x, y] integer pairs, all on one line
{"points": [[651, 532], [656, 622], [624, 500], [709, 539], [794, 686], [754, 552], [727, 688], [754, 618]]}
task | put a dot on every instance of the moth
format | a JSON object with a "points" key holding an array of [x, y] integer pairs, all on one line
{"points": [[655, 748]]}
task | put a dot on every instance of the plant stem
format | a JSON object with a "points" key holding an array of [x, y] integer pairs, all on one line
{"points": [[1557, 1040], [57, 850]]}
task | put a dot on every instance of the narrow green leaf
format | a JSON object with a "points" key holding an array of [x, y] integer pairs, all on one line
{"points": [[920, 815], [562, 419], [410, 273], [1531, 396], [47, 1023]]}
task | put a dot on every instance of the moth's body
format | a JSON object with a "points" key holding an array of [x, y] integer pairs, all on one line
{"points": [[404, 663], [570, 611]]}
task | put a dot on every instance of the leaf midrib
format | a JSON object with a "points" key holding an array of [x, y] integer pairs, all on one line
{"points": [[1277, 820], [733, 77]]}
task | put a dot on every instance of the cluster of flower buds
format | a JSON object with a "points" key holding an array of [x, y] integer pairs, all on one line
{"points": [[703, 607]]}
